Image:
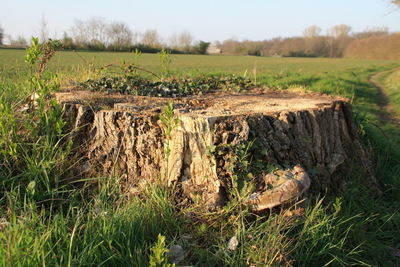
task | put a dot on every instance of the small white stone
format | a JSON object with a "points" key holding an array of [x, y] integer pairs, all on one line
{"points": [[34, 96], [233, 243]]}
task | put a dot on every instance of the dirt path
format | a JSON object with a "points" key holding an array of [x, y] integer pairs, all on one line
{"points": [[384, 104]]}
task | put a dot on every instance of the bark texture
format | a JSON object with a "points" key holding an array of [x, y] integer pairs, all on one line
{"points": [[314, 133]]}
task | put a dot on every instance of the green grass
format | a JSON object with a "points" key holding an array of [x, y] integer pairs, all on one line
{"points": [[70, 61], [47, 220]]}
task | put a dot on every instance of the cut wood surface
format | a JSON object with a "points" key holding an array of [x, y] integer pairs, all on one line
{"points": [[123, 135]]}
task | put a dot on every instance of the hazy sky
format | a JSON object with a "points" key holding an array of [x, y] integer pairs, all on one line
{"points": [[206, 19]]}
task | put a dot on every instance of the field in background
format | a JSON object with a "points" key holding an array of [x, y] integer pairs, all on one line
{"points": [[361, 227], [69, 61]]}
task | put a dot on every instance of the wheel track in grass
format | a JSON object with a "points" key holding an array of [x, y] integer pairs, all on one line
{"points": [[387, 113]]}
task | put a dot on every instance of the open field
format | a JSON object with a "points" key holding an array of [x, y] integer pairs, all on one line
{"points": [[47, 221], [195, 63]]}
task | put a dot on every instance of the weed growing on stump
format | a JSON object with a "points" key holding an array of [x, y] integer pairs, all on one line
{"points": [[170, 122]]}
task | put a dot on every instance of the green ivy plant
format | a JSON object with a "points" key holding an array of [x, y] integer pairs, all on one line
{"points": [[168, 87]]}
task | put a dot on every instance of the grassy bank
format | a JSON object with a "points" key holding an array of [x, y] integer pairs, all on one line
{"points": [[45, 219]]}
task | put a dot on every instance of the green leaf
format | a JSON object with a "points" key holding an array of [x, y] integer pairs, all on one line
{"points": [[31, 188]]}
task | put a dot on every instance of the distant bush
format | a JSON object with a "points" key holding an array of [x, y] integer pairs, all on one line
{"points": [[254, 52], [98, 46], [299, 54], [201, 47]]}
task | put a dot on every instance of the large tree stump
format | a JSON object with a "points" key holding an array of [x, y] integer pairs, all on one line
{"points": [[309, 135]]}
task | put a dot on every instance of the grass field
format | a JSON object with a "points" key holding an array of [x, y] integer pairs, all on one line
{"points": [[70, 61], [46, 221]]}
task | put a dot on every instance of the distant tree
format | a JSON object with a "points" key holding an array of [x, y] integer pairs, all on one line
{"points": [[79, 32], [92, 31], [320, 46], [295, 46], [120, 35], [173, 41], [372, 31], [338, 39], [230, 46], [182, 41], [186, 40], [151, 38], [97, 30], [274, 45], [312, 31], [19, 42], [96, 45], [251, 48], [310, 34], [201, 47], [67, 42], [339, 31], [1, 35]]}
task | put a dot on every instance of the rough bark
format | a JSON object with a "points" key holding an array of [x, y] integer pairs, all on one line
{"points": [[124, 136]]}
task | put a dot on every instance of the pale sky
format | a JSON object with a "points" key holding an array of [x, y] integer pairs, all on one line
{"points": [[207, 20]]}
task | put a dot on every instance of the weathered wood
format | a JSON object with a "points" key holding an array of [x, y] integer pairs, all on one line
{"points": [[280, 187], [124, 136]]}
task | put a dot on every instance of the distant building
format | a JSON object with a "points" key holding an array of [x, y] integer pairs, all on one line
{"points": [[213, 49]]}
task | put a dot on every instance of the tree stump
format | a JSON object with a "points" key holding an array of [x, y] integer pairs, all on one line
{"points": [[312, 137]]}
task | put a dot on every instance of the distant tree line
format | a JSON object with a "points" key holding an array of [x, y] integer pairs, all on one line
{"points": [[96, 34], [337, 42], [375, 47]]}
